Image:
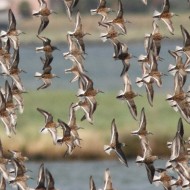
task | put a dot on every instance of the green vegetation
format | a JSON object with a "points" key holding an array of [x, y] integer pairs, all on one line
{"points": [[134, 6], [161, 121], [59, 26]]}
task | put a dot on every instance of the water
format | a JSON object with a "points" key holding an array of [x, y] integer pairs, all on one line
{"points": [[101, 67], [75, 175]]}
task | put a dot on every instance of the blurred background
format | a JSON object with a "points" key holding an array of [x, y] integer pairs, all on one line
{"points": [[105, 73], [25, 7], [102, 69]]}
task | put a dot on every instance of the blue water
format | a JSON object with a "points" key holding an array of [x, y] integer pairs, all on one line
{"points": [[75, 175], [101, 67]]}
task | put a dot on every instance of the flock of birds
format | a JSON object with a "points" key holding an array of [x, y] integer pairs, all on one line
{"points": [[13, 169]]}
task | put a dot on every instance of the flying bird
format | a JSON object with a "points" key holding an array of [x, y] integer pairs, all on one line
{"points": [[44, 13], [115, 145], [50, 126], [70, 4], [166, 15]]}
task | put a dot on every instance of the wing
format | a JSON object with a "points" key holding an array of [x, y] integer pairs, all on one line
{"points": [[68, 5], [44, 23], [50, 183], [41, 177], [92, 184], [1, 149], [12, 21], [150, 172], [121, 156], [3, 183], [120, 10], [186, 36], [114, 133], [169, 24], [166, 6], [72, 116], [66, 128], [132, 108], [142, 125], [150, 93], [47, 115]]}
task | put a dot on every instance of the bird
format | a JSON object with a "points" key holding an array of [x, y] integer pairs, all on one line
{"points": [[73, 125], [153, 73], [87, 87], [3, 183], [182, 68], [46, 61], [10, 104], [20, 178], [3, 163], [47, 48], [119, 21], [70, 4], [67, 138], [128, 95], [179, 100], [115, 145], [76, 69], [142, 131], [50, 125], [181, 181], [6, 117], [18, 156], [46, 77], [50, 180], [17, 96], [5, 56], [177, 145], [44, 13], [148, 84], [107, 180], [12, 33], [102, 10], [186, 41], [14, 71], [92, 184], [163, 178], [154, 39], [41, 178], [125, 57], [75, 52], [166, 16], [145, 1], [78, 32], [117, 47], [111, 32], [88, 106], [147, 159]]}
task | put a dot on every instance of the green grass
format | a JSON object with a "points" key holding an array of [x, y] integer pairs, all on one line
{"points": [[58, 102], [161, 121], [59, 26]]}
